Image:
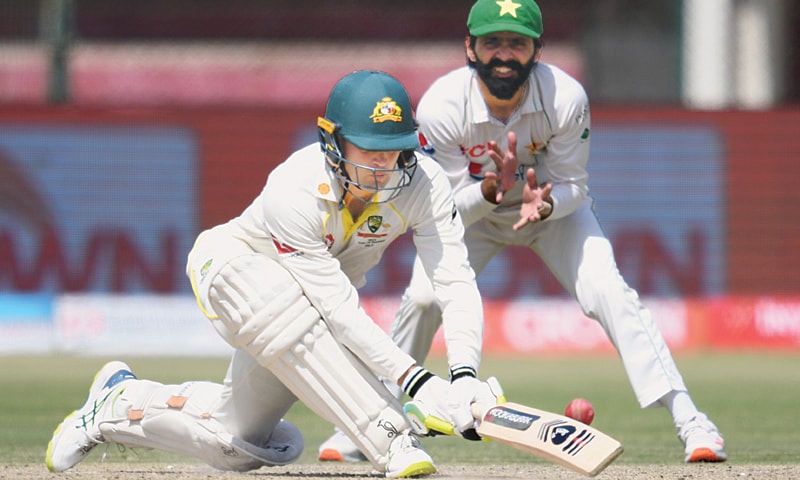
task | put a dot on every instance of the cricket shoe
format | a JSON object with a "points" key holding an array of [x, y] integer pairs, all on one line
{"points": [[339, 448], [702, 441], [79, 433], [407, 458]]}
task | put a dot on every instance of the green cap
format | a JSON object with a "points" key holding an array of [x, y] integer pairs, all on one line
{"points": [[518, 16], [373, 112]]}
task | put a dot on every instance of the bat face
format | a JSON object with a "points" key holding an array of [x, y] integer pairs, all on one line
{"points": [[557, 431], [552, 436]]}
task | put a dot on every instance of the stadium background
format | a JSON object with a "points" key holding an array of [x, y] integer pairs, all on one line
{"points": [[127, 127]]}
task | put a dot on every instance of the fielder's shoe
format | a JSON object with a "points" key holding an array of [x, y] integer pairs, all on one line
{"points": [[408, 459], [339, 448], [702, 441], [79, 433]]}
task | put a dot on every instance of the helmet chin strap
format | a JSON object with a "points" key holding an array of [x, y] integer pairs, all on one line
{"points": [[346, 184], [343, 202]]}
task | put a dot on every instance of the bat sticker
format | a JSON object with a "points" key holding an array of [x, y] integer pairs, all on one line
{"points": [[510, 418], [577, 443]]}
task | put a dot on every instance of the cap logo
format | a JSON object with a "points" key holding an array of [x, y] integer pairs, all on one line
{"points": [[508, 7], [387, 110]]}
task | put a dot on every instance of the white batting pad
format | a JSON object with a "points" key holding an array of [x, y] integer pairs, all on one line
{"points": [[263, 311]]}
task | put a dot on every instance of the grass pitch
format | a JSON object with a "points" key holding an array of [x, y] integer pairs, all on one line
{"points": [[752, 397]]}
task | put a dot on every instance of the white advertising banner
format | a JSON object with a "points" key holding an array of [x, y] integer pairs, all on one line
{"points": [[132, 325]]}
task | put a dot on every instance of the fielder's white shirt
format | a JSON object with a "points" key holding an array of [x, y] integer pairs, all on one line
{"points": [[552, 128], [296, 219]]}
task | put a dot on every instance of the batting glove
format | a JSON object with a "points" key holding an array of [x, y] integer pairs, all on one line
{"points": [[465, 389], [425, 422], [427, 412]]}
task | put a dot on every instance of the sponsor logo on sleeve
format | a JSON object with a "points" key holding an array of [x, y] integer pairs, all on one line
{"points": [[283, 248]]}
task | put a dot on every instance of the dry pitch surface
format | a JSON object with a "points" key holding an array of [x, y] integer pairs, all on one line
{"points": [[138, 471]]}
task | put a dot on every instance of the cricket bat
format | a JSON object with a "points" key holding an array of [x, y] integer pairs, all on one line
{"points": [[549, 435]]}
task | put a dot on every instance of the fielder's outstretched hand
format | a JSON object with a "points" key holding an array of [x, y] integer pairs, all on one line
{"points": [[537, 204], [505, 162]]}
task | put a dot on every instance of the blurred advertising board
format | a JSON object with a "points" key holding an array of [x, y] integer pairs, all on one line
{"points": [[96, 208]]}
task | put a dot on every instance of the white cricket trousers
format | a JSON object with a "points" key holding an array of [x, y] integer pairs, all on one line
{"points": [[236, 425]]}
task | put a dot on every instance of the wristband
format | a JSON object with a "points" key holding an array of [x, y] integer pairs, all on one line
{"points": [[415, 379], [459, 371]]}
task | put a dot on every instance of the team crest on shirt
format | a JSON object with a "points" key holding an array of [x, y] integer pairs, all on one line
{"points": [[374, 223], [387, 110], [373, 231]]}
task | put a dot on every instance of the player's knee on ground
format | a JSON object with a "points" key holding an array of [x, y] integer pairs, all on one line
{"points": [[180, 419]]}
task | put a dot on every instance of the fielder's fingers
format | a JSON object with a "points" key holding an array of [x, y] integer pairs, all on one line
{"points": [[522, 222], [530, 176], [512, 141], [496, 154]]}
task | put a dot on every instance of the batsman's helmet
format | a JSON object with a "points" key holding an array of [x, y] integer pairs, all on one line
{"points": [[372, 111]]}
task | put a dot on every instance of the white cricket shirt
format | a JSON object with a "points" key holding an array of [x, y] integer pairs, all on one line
{"points": [[296, 219], [552, 128]]}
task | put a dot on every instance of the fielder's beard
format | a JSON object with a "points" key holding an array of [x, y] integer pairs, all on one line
{"points": [[503, 88]]}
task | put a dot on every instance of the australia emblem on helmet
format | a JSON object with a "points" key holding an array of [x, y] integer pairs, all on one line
{"points": [[387, 110]]}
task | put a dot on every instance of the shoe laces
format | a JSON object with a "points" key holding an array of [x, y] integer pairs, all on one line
{"points": [[91, 441], [405, 443], [120, 448], [698, 424]]}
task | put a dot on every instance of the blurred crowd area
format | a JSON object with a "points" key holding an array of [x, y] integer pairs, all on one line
{"points": [[706, 54]]}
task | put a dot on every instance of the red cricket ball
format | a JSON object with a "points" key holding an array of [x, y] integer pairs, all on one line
{"points": [[581, 410]]}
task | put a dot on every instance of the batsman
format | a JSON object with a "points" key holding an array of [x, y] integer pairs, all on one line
{"points": [[279, 283]]}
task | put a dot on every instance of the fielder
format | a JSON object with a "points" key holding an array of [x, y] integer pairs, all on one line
{"points": [[279, 285], [512, 134]]}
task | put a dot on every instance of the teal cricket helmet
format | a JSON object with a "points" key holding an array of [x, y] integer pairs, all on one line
{"points": [[371, 110]]}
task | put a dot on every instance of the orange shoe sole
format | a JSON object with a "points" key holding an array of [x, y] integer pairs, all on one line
{"points": [[330, 455], [704, 455]]}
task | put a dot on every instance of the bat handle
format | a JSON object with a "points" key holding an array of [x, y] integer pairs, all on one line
{"points": [[479, 410]]}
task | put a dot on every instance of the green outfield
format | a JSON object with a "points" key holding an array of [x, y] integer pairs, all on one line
{"points": [[753, 398]]}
